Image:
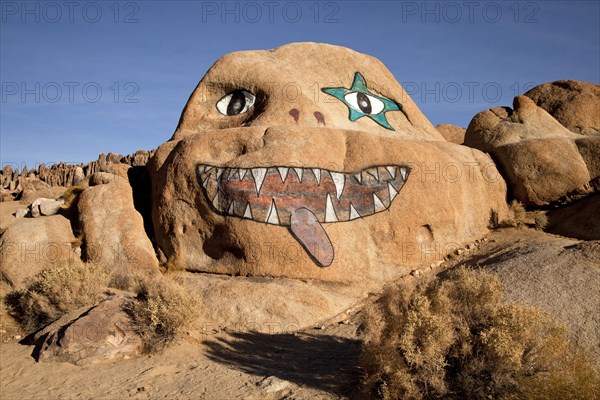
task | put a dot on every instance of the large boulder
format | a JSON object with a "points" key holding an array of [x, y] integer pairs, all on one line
{"points": [[574, 104], [343, 181], [543, 162], [30, 245], [113, 230]]}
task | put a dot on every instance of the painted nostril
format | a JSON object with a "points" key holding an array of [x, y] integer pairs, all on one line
{"points": [[295, 114], [320, 118]]}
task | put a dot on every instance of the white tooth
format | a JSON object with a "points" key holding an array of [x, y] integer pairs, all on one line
{"points": [[272, 217], [219, 172], [340, 181], [283, 171], [205, 183], [299, 172], [374, 173], [259, 177], [393, 192], [392, 171], [216, 201], [353, 213], [231, 210], [248, 212], [330, 211], [317, 173], [404, 172], [377, 203], [242, 173], [208, 168], [358, 177]]}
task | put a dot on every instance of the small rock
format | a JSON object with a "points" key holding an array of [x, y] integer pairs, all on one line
{"points": [[21, 213], [35, 211], [458, 252], [271, 384], [17, 337], [470, 246], [50, 207], [415, 272]]}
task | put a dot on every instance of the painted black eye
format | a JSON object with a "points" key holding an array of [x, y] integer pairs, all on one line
{"points": [[236, 102], [364, 103]]}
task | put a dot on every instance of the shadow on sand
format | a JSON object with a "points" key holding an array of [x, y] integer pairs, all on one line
{"points": [[328, 363]]}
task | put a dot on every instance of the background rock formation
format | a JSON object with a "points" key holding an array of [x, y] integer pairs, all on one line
{"points": [[542, 161], [575, 104]]}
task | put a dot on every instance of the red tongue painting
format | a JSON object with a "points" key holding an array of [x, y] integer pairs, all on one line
{"points": [[302, 198]]}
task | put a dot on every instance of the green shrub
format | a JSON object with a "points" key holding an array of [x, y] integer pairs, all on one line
{"points": [[455, 339], [162, 309], [56, 291]]}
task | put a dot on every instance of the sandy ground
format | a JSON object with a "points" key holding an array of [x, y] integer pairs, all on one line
{"points": [[316, 364], [558, 274]]}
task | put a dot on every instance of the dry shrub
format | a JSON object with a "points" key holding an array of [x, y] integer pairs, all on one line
{"points": [[519, 213], [541, 222], [55, 292], [494, 222], [162, 309], [71, 196], [455, 339]]}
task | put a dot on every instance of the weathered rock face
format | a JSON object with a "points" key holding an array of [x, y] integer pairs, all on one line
{"points": [[541, 160], [91, 335], [113, 230], [345, 183], [452, 133], [28, 246], [574, 104]]}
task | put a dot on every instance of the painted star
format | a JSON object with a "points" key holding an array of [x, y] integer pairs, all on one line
{"points": [[362, 103]]}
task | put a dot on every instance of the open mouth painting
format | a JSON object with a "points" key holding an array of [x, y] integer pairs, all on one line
{"points": [[302, 199]]}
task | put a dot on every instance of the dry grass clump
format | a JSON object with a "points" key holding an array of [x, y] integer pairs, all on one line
{"points": [[56, 291], [455, 339], [541, 222], [162, 309], [71, 196], [519, 213]]}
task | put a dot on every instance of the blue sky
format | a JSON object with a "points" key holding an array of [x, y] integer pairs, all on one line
{"points": [[84, 77]]}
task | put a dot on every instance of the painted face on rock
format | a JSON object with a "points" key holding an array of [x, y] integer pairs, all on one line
{"points": [[312, 155], [303, 198]]}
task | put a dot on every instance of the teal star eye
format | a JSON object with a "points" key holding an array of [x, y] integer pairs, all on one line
{"points": [[362, 103]]}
